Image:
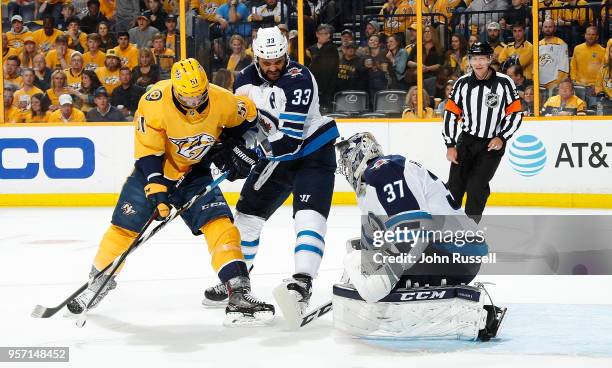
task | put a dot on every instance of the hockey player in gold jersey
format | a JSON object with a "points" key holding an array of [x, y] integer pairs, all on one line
{"points": [[178, 122]]}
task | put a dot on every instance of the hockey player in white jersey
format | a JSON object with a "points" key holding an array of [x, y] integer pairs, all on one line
{"points": [[396, 286], [298, 157]]}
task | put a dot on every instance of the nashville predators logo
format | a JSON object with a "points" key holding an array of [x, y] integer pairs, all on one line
{"points": [[128, 209], [111, 80], [193, 148], [545, 59]]}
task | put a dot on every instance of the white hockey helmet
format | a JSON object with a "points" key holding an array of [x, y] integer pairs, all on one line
{"points": [[270, 43], [354, 154]]}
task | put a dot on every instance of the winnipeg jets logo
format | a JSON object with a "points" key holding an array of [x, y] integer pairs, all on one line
{"points": [[294, 72], [379, 163], [128, 209], [193, 148]]}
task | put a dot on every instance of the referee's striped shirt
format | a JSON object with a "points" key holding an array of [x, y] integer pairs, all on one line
{"points": [[487, 108]]}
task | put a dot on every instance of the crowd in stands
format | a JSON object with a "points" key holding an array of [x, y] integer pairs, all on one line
{"points": [[367, 46], [75, 61]]}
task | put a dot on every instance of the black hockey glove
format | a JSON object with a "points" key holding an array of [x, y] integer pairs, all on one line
{"points": [[235, 158]]}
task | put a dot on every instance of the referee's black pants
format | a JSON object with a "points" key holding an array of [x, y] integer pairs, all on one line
{"points": [[472, 175]]}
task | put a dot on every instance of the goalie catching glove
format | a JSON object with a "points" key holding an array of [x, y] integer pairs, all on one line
{"points": [[235, 158]]}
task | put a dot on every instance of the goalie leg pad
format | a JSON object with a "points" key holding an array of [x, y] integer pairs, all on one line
{"points": [[440, 312], [223, 241], [115, 241]]}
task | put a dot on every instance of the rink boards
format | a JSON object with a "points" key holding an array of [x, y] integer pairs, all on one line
{"points": [[547, 163]]}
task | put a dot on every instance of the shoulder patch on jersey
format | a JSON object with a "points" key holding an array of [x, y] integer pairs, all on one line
{"points": [[194, 147], [242, 109], [154, 95], [376, 165], [294, 72]]}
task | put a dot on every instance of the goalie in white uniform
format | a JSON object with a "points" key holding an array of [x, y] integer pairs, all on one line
{"points": [[394, 288]]}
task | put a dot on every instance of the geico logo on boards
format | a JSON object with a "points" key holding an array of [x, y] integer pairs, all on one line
{"points": [[16, 154], [423, 295], [580, 154]]}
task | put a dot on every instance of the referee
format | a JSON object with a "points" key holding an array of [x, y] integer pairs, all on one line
{"points": [[488, 106]]}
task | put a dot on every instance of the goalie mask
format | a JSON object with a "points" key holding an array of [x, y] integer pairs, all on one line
{"points": [[354, 154]]}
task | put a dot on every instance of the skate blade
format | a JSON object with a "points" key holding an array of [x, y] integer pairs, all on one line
{"points": [[240, 320], [289, 306], [207, 303]]}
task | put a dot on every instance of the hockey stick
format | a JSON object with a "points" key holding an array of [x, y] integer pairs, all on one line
{"points": [[46, 312], [315, 314]]}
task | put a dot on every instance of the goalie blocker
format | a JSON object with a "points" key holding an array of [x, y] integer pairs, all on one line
{"points": [[450, 312]]}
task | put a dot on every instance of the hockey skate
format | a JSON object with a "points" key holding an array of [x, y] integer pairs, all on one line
{"points": [[215, 296], [293, 298], [78, 304], [243, 309]]}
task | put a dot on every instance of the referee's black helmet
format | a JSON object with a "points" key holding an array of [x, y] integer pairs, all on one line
{"points": [[480, 48]]}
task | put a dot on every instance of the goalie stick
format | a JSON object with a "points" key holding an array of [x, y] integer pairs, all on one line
{"points": [[46, 312]]}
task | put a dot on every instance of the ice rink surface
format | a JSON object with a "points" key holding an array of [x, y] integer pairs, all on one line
{"points": [[154, 318]]}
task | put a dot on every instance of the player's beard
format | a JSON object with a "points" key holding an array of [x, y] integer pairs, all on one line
{"points": [[273, 75]]}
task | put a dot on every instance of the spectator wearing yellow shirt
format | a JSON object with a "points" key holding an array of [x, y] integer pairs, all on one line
{"points": [[75, 72], [171, 34], [127, 52], [494, 39], [555, 15], [109, 73], [603, 84], [38, 113], [396, 16], [11, 72], [107, 8], [565, 103], [445, 7], [608, 47], [66, 112], [7, 50], [587, 59], [572, 22], [10, 111], [45, 37], [58, 88], [28, 85], [94, 58], [17, 33], [412, 105], [207, 9], [163, 56], [20, 115], [27, 53], [59, 57], [520, 47], [77, 39]]}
